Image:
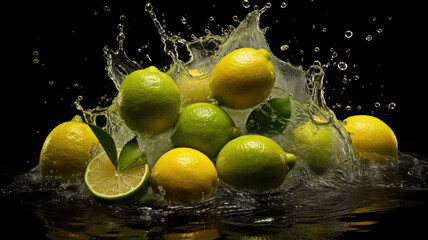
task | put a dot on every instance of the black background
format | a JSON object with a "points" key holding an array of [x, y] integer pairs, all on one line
{"points": [[66, 40]]}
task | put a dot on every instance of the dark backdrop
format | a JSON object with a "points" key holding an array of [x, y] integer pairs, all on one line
{"points": [[54, 53]]}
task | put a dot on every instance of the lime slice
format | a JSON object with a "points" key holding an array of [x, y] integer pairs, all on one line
{"points": [[109, 184]]}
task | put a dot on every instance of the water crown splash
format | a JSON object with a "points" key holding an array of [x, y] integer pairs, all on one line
{"points": [[304, 87]]}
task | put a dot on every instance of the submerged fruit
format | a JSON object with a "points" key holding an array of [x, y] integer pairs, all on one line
{"points": [[253, 163], [148, 101], [65, 151], [204, 127], [243, 78], [271, 117], [316, 144], [109, 184], [372, 139], [184, 176], [194, 87]]}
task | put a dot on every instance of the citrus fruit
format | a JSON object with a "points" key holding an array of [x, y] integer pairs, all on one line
{"points": [[243, 78], [194, 87], [315, 144], [184, 176], [372, 139], [270, 117], [148, 101], [253, 163], [66, 150], [109, 184], [205, 127]]}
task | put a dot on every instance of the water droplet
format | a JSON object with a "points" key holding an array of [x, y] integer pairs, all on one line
{"points": [[246, 3], [183, 20], [316, 49], [35, 53], [324, 29], [268, 5], [369, 37], [377, 104], [349, 34], [211, 18], [51, 82], [36, 60], [342, 66], [235, 18], [106, 8], [148, 7], [356, 77], [283, 5], [285, 47], [348, 108], [392, 105], [122, 18], [379, 30]]}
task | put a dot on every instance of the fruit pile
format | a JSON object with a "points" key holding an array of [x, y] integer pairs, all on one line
{"points": [[150, 102]]}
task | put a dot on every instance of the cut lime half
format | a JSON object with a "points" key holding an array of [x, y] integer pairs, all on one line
{"points": [[109, 184]]}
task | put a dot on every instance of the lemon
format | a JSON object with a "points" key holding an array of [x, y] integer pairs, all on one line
{"points": [[243, 78], [194, 87], [148, 101], [184, 176], [66, 150], [372, 139], [109, 184], [315, 144], [253, 163], [205, 127]]}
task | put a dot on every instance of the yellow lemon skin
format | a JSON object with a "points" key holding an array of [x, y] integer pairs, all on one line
{"points": [[184, 176], [194, 87], [372, 139], [65, 151], [148, 101], [243, 78]]}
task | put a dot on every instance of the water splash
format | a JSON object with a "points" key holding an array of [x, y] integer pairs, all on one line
{"points": [[304, 87]]}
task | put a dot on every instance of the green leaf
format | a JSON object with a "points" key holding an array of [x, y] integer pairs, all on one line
{"points": [[107, 143], [130, 156]]}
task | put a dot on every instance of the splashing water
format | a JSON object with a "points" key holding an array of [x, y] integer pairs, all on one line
{"points": [[307, 205], [305, 87]]}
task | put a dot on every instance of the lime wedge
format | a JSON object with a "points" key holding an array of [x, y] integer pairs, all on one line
{"points": [[109, 184]]}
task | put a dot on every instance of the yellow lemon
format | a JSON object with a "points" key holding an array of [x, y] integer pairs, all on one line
{"points": [[66, 150], [253, 163], [372, 139], [194, 87], [243, 78], [148, 101], [184, 176]]}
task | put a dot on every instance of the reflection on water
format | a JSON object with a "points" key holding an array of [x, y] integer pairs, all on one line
{"points": [[309, 210]]}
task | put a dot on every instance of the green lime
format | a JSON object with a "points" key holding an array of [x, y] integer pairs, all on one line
{"points": [[253, 163], [204, 127], [109, 184], [149, 101], [270, 117], [316, 145]]}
